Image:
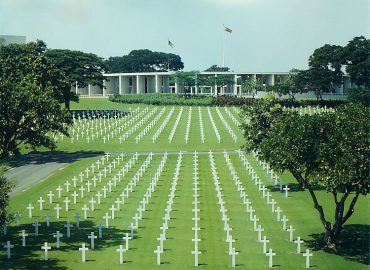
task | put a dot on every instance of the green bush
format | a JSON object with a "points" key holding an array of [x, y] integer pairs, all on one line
{"points": [[361, 95]]}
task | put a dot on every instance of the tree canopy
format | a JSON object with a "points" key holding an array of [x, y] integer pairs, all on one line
{"points": [[328, 149], [144, 61], [252, 86], [215, 68], [29, 94], [78, 68]]}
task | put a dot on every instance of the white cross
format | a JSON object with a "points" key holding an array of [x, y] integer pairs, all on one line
{"points": [[59, 189], [66, 201], [196, 252], [233, 253], [121, 250], [291, 230], [45, 247], [77, 218], [112, 209], [94, 180], [36, 225], [30, 207], [92, 237], [307, 254], [298, 242], [58, 235], [8, 246], [74, 195], [68, 226], [132, 231], [99, 196], [17, 217], [47, 219], [50, 195], [105, 189], [158, 251], [41, 201], [57, 208], [126, 238], [92, 204], [23, 234], [81, 175], [82, 189], [83, 249], [259, 230], [161, 238], [284, 220], [106, 217], [278, 211], [270, 254], [88, 184], [74, 179], [273, 202], [87, 172], [67, 184], [286, 190], [100, 229], [85, 209], [264, 241]]}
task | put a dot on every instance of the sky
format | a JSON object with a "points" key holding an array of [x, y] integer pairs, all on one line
{"points": [[267, 35]]}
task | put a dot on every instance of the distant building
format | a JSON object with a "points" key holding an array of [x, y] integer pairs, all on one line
{"points": [[9, 39], [159, 82]]}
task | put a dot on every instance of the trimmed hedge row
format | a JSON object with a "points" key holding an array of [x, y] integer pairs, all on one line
{"points": [[163, 99], [199, 100]]}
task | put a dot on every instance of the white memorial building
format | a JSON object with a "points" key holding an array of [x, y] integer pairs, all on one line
{"points": [[160, 82]]}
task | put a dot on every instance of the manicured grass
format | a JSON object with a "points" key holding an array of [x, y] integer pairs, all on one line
{"points": [[178, 246]]}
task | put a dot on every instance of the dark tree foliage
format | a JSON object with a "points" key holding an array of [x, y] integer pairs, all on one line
{"points": [[78, 68], [357, 59], [5, 188], [328, 149], [144, 61], [215, 68]]}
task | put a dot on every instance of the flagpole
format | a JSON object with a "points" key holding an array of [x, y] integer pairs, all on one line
{"points": [[223, 47]]}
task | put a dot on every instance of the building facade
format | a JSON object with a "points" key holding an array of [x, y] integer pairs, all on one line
{"points": [[161, 82]]}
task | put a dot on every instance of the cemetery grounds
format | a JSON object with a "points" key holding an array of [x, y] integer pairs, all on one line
{"points": [[174, 179]]}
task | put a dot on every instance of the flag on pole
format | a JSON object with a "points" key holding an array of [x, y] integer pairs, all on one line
{"points": [[227, 29], [170, 44]]}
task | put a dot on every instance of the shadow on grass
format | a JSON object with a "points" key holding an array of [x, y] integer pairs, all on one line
{"points": [[31, 256], [353, 243], [294, 187]]}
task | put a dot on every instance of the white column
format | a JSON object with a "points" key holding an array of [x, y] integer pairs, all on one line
{"points": [[89, 89], [104, 88], [120, 85], [158, 83], [76, 87], [176, 87], [216, 90], [235, 85]]}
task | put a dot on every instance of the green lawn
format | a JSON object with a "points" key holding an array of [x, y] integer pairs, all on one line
{"points": [[178, 246]]}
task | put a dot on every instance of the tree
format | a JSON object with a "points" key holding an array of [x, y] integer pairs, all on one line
{"points": [[145, 61], [2, 42], [79, 68], [328, 149], [252, 86], [29, 107], [324, 71], [221, 80], [360, 95], [357, 59], [215, 68], [185, 80], [5, 188]]}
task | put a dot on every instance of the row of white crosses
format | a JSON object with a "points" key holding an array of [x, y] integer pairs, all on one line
{"points": [[227, 228], [214, 125], [274, 208], [188, 124], [174, 128], [125, 194], [196, 252], [232, 117], [163, 125], [227, 126], [100, 127], [309, 110], [235, 109], [201, 126], [150, 125], [139, 123], [249, 208], [274, 177], [167, 215]]}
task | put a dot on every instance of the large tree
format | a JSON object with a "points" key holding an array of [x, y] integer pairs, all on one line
{"points": [[29, 94], [215, 68], [357, 59], [328, 149], [145, 61], [79, 69], [252, 86], [5, 188]]}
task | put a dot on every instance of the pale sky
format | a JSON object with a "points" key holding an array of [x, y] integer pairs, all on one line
{"points": [[268, 35]]}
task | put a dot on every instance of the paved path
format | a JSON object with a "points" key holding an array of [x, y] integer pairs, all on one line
{"points": [[37, 167]]}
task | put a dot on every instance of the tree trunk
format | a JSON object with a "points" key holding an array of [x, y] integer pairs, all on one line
{"points": [[67, 104]]}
